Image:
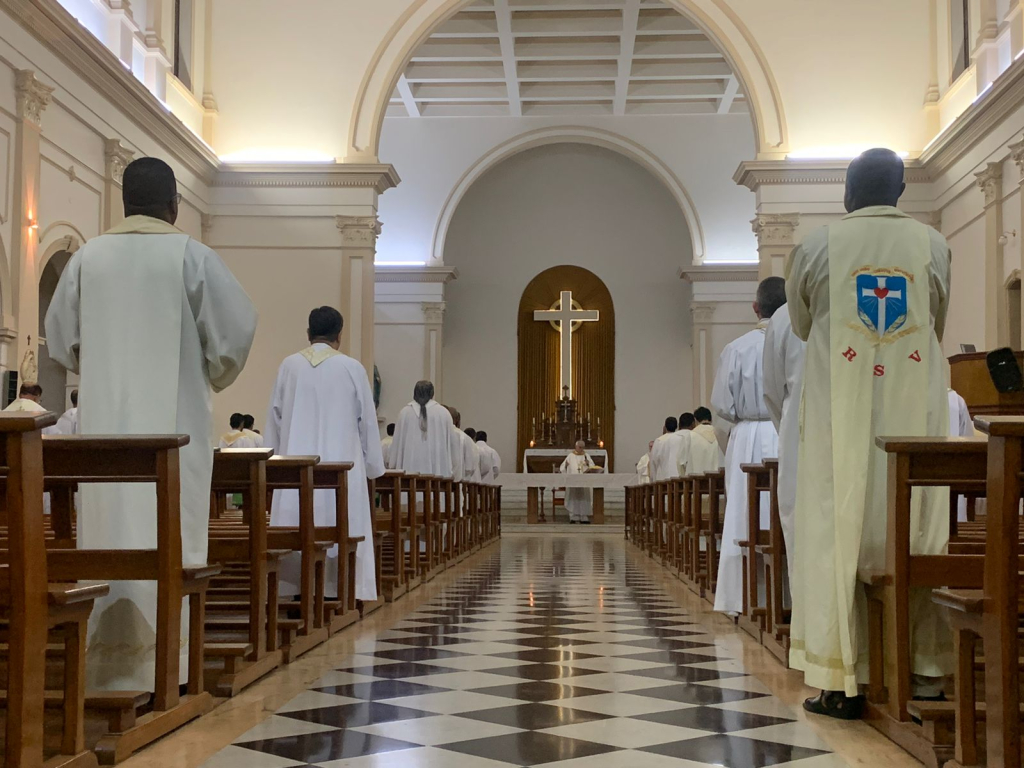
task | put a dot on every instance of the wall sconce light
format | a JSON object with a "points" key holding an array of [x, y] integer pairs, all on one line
{"points": [[1005, 237], [33, 225]]}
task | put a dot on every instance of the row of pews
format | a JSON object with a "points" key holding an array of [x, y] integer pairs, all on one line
{"points": [[976, 582], [237, 626]]}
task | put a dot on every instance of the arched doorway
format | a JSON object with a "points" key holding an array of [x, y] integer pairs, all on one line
{"points": [[593, 355], [53, 378]]}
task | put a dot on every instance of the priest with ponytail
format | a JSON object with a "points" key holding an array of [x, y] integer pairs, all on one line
{"points": [[422, 442]]}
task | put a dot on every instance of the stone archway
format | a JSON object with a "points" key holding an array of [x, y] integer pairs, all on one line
{"points": [[722, 25]]}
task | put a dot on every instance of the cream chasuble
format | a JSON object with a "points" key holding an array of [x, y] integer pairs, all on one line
{"points": [[322, 406], [643, 470], [705, 455], [154, 320], [869, 294]]}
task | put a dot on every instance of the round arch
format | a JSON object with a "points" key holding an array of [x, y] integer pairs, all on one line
{"points": [[719, 22], [60, 237], [570, 135]]}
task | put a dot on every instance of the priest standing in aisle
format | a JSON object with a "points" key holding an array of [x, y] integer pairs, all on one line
{"points": [[738, 400], [154, 321], [423, 436], [869, 295], [667, 450], [579, 502], [322, 406], [784, 354]]}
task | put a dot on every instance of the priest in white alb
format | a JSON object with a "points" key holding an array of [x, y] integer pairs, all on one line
{"points": [[322, 406], [643, 467], [67, 424], [239, 437], [423, 435], [869, 294], [665, 455], [579, 502], [737, 399], [155, 322], [784, 354]]}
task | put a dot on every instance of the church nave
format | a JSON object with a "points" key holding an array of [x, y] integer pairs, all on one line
{"points": [[571, 650]]}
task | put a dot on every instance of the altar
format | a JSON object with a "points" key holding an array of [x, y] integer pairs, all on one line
{"points": [[550, 459], [536, 482]]}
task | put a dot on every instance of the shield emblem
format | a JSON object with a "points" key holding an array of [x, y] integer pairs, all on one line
{"points": [[882, 302]]}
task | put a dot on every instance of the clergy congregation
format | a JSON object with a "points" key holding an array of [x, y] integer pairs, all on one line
{"points": [[491, 383]]}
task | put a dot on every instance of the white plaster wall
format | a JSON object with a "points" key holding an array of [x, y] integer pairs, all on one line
{"points": [[433, 155], [568, 204]]}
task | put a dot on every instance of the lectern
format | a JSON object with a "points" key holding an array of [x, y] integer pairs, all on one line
{"points": [[971, 380]]}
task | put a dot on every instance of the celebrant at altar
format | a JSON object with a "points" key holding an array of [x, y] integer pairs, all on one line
{"points": [[579, 501]]}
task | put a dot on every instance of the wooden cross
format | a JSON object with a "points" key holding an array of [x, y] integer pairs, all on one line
{"points": [[562, 316]]}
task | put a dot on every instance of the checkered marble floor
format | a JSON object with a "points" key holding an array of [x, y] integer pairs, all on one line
{"points": [[553, 651]]}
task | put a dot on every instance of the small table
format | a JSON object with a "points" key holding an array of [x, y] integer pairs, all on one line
{"points": [[533, 482]]}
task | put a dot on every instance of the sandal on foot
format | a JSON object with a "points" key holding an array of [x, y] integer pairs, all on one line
{"points": [[836, 704]]}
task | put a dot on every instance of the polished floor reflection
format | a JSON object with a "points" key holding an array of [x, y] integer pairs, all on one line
{"points": [[562, 650]]}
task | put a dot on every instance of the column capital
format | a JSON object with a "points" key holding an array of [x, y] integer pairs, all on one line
{"points": [[990, 182], [703, 312], [359, 231], [1017, 153], [775, 229], [32, 96], [117, 157], [433, 311]]}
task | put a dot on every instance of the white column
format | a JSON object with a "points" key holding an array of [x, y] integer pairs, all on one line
{"points": [[775, 234], [433, 317], [32, 99], [358, 248], [990, 181], [116, 158]]}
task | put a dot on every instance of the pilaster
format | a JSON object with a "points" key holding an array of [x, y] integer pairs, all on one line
{"points": [[358, 249], [986, 47], [32, 98], [776, 237], [1014, 21], [1017, 153], [703, 315], [990, 182], [116, 158], [433, 317]]}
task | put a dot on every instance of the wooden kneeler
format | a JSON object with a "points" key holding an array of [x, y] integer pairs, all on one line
{"points": [[69, 461], [390, 521], [340, 611]]}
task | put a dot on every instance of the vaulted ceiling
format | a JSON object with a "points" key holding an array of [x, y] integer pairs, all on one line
{"points": [[567, 57]]}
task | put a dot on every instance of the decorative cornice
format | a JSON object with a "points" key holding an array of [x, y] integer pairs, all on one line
{"points": [[990, 182], [720, 273], [1003, 98], [32, 96], [386, 274], [377, 176], [775, 229], [754, 174], [359, 231], [117, 157], [61, 34], [433, 311]]}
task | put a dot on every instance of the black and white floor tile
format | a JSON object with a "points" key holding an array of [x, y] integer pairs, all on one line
{"points": [[553, 651]]}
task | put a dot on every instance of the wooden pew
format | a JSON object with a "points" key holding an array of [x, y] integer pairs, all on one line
{"points": [[776, 635], [390, 521], [754, 618], [341, 611], [31, 608], [134, 718], [993, 614], [924, 729], [234, 664], [308, 631]]}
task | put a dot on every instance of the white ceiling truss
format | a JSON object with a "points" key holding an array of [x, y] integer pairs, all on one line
{"points": [[567, 57]]}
